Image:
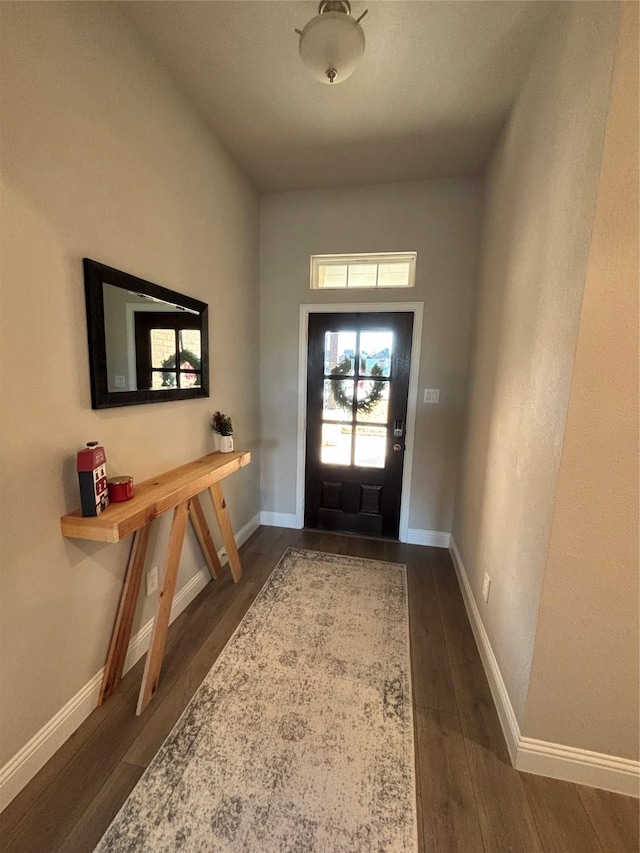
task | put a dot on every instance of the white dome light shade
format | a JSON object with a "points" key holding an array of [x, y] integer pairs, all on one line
{"points": [[331, 46]]}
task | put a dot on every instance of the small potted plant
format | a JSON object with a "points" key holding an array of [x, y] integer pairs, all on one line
{"points": [[222, 425]]}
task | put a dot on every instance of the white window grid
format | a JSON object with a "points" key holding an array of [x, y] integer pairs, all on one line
{"points": [[319, 263]]}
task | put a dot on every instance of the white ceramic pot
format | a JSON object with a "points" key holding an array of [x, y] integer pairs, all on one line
{"points": [[226, 443]]}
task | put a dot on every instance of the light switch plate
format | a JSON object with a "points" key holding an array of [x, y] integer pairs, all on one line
{"points": [[432, 395]]}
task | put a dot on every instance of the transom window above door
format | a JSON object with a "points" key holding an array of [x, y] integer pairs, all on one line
{"points": [[340, 272]]}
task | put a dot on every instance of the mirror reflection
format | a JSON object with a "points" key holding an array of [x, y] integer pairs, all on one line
{"points": [[150, 343], [147, 344]]}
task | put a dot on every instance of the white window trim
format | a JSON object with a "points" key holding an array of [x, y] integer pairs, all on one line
{"points": [[318, 261]]}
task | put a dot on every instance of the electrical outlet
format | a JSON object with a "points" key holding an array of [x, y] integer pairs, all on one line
{"points": [[152, 580], [119, 381], [432, 395], [486, 586]]}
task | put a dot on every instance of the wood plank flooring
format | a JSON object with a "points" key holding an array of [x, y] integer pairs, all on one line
{"points": [[470, 799]]}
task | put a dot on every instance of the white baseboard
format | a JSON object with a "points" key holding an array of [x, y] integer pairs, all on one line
{"points": [[33, 756], [433, 538], [581, 766], [245, 532], [280, 519], [24, 765], [507, 716]]}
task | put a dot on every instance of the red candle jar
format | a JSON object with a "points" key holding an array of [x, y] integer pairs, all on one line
{"points": [[120, 489]]}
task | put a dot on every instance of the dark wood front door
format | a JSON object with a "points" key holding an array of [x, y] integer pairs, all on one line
{"points": [[357, 386]]}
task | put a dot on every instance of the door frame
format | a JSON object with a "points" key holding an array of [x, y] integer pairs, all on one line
{"points": [[415, 308]]}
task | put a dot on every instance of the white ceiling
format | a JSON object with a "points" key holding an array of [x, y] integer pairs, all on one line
{"points": [[429, 98]]}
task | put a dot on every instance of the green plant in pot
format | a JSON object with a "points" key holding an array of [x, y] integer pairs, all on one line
{"points": [[221, 424]]}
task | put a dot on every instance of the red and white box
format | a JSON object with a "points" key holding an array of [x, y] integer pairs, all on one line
{"points": [[92, 474]]}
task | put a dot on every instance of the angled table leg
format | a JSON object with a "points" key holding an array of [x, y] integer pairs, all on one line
{"points": [[126, 611], [220, 508], [203, 535], [153, 663]]}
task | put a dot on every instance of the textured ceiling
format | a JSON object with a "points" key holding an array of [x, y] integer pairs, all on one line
{"points": [[429, 98]]}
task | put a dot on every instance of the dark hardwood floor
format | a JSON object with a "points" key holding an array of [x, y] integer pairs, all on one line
{"points": [[470, 799]]}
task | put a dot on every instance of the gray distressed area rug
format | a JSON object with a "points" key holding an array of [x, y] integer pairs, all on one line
{"points": [[301, 736]]}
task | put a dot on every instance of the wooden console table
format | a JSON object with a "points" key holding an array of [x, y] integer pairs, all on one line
{"points": [[177, 490]]}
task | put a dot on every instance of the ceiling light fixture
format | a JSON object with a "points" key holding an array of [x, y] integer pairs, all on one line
{"points": [[332, 43]]}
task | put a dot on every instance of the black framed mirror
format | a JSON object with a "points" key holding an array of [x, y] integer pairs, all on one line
{"points": [[147, 344]]}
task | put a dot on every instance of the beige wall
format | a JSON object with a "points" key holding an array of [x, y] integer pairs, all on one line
{"points": [[586, 653], [101, 157], [540, 196], [439, 219]]}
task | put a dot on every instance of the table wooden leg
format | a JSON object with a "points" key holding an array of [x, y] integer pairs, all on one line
{"points": [[153, 663], [220, 508], [126, 611], [203, 534]]}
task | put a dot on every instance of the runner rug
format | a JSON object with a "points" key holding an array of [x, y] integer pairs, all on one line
{"points": [[301, 736]]}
